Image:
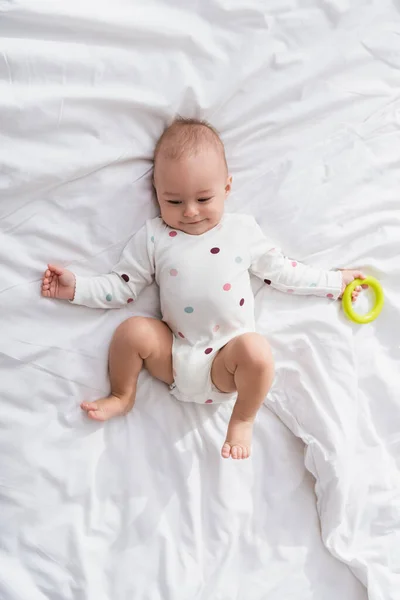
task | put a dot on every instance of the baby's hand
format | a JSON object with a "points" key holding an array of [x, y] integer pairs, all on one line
{"points": [[348, 275], [58, 283]]}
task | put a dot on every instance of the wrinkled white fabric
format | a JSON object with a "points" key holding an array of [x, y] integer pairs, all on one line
{"points": [[305, 95]]}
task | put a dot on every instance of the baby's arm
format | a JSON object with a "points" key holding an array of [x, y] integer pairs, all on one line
{"points": [[291, 276], [134, 271]]}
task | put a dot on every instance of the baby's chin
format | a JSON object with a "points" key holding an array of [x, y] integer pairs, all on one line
{"points": [[195, 228]]}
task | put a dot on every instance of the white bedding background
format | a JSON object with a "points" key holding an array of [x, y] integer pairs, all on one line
{"points": [[306, 94]]}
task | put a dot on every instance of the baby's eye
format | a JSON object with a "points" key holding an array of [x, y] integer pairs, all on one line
{"points": [[204, 199], [174, 202]]}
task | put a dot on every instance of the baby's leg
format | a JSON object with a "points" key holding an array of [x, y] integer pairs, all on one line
{"points": [[245, 364], [138, 341]]}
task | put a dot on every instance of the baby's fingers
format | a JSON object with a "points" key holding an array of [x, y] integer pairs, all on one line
{"points": [[358, 275], [55, 270], [45, 289]]}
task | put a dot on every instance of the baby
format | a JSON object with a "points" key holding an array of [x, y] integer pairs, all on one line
{"points": [[205, 348]]}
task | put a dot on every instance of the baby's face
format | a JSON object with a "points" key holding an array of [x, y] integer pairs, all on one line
{"points": [[191, 191]]}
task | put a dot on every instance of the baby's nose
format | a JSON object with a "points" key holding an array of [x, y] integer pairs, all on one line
{"points": [[190, 211]]}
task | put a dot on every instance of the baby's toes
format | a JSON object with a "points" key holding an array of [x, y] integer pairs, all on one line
{"points": [[226, 450], [237, 452], [89, 406]]}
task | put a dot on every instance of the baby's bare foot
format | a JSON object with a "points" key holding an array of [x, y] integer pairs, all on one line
{"points": [[105, 408], [238, 439]]}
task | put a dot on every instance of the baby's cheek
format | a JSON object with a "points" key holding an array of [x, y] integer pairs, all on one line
{"points": [[169, 217], [216, 214]]}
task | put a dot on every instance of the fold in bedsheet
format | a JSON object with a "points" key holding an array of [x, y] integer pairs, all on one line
{"points": [[305, 95]]}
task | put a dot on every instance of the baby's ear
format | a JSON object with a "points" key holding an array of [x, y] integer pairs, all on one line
{"points": [[228, 185]]}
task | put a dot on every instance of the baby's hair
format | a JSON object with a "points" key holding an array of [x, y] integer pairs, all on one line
{"points": [[184, 137]]}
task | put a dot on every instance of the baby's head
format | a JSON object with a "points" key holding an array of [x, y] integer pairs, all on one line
{"points": [[191, 176]]}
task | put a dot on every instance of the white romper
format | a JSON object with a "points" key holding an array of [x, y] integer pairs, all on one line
{"points": [[205, 290]]}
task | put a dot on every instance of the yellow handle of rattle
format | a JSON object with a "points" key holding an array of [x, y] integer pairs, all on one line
{"points": [[374, 312]]}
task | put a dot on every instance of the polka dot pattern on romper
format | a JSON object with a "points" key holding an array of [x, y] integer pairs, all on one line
{"points": [[290, 291], [173, 272], [241, 302], [130, 300], [181, 335], [227, 287], [189, 309], [313, 285], [173, 234], [152, 238], [329, 295], [267, 281], [214, 250], [125, 277], [216, 328], [208, 401], [294, 263], [109, 297], [238, 259], [208, 351]]}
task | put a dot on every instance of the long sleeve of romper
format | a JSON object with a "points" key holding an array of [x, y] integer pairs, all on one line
{"points": [[128, 278], [288, 275]]}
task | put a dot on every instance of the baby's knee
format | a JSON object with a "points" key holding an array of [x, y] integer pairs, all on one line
{"points": [[135, 333], [254, 350]]}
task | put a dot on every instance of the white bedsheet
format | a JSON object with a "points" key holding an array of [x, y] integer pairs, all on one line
{"points": [[306, 96]]}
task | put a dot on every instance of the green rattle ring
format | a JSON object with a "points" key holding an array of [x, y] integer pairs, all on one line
{"points": [[374, 312]]}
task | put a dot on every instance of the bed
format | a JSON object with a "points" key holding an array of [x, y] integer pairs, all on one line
{"points": [[306, 96]]}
